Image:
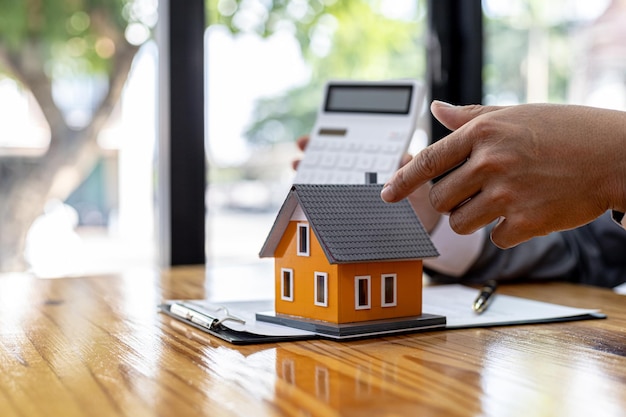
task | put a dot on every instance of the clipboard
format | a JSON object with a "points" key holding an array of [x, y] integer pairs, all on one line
{"points": [[255, 322], [236, 329], [450, 306]]}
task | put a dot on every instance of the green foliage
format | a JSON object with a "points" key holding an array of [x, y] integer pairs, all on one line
{"points": [[350, 39], [509, 44], [13, 22], [71, 36], [504, 55]]}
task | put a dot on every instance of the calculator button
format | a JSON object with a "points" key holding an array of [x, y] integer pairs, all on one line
{"points": [[303, 177], [365, 162], [317, 145], [384, 163], [356, 178], [339, 178], [311, 159], [391, 147], [353, 146], [337, 146], [329, 160], [372, 147], [320, 177], [346, 160]]}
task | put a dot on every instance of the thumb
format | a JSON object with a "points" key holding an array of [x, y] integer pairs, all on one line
{"points": [[453, 117]]}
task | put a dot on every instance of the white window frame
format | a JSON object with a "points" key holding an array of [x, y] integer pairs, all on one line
{"points": [[306, 227], [357, 279], [322, 383], [383, 278], [288, 297], [325, 276], [289, 372]]}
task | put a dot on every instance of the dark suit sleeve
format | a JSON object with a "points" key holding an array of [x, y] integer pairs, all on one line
{"points": [[593, 254]]}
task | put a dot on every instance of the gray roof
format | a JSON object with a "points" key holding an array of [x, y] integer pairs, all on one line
{"points": [[353, 224]]}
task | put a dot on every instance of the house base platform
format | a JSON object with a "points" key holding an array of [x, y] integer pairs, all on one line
{"points": [[373, 328]]}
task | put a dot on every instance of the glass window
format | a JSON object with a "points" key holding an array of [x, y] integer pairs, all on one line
{"points": [[565, 51], [362, 295], [266, 65], [388, 290], [286, 282], [321, 289]]}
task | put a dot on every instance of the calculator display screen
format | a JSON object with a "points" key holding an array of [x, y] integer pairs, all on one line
{"points": [[388, 99]]}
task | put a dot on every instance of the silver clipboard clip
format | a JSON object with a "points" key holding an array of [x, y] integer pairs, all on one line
{"points": [[203, 318]]}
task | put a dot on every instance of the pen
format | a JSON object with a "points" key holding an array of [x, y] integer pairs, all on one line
{"points": [[485, 296]]}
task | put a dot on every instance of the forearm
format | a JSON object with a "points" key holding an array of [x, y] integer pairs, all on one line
{"points": [[547, 257], [591, 254]]}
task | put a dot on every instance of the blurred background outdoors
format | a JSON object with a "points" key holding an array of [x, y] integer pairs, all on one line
{"points": [[78, 103]]}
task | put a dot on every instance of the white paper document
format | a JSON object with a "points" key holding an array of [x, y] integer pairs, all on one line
{"points": [[236, 321], [455, 302]]}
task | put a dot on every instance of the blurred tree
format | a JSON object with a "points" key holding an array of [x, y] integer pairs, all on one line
{"points": [[88, 44]]}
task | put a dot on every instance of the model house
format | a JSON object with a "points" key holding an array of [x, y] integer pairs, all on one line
{"points": [[342, 255]]}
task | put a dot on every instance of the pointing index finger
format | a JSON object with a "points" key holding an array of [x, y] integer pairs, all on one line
{"points": [[431, 162]]}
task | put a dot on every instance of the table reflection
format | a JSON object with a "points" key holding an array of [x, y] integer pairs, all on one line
{"points": [[562, 367]]}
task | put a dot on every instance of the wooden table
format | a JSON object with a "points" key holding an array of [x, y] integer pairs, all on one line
{"points": [[97, 346]]}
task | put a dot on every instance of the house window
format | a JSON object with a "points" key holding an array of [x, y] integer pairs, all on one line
{"points": [[322, 386], [289, 372], [303, 239], [321, 289], [388, 290], [362, 297], [286, 284]]}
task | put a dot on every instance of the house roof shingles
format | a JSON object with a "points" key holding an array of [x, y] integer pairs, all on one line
{"points": [[353, 224]]}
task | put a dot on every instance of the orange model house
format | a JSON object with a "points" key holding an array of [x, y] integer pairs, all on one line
{"points": [[347, 263]]}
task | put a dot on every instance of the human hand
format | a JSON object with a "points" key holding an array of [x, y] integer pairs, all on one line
{"points": [[301, 143], [418, 199], [538, 168], [420, 202]]}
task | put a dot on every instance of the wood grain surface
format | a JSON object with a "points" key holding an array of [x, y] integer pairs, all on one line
{"points": [[96, 346]]}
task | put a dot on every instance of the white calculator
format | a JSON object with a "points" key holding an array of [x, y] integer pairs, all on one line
{"points": [[362, 127]]}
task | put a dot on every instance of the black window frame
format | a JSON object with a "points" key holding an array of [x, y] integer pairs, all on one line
{"points": [[182, 168]]}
